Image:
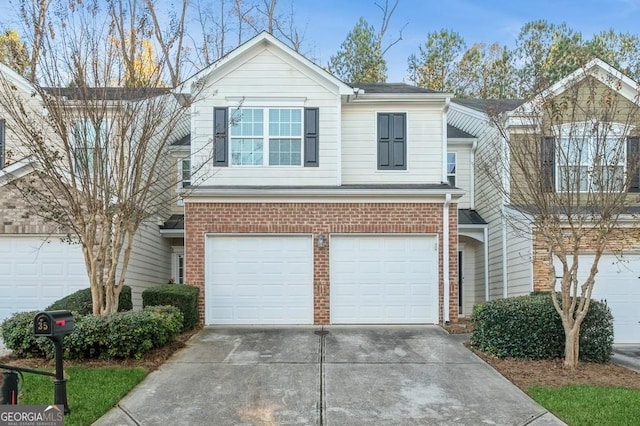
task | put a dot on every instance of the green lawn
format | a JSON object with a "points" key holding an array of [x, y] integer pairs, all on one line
{"points": [[579, 405], [91, 391]]}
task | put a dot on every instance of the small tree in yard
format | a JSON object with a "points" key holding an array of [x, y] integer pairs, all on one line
{"points": [[567, 160], [95, 136]]}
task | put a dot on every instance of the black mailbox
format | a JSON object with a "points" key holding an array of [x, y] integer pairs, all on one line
{"points": [[52, 323]]}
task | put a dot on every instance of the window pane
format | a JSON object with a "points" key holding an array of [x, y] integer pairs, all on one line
{"points": [[247, 122], [246, 152], [285, 122], [285, 152]]}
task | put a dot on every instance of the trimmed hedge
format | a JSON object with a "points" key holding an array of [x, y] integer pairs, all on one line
{"points": [[529, 327], [118, 335], [183, 297], [81, 302]]}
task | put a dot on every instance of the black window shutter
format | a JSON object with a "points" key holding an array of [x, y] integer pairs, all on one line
{"points": [[399, 141], [548, 157], [2, 159], [221, 137], [392, 141], [384, 141], [633, 160], [311, 137]]}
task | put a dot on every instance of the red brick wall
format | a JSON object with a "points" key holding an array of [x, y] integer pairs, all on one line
{"points": [[316, 218]]}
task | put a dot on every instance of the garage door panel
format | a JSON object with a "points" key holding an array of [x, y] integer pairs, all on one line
{"points": [[383, 279], [259, 280], [617, 283], [37, 273]]}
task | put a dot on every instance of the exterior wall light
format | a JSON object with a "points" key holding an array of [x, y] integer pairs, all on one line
{"points": [[321, 240]]}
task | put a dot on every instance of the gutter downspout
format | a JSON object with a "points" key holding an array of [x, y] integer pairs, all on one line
{"points": [[472, 196], [445, 258], [486, 264]]}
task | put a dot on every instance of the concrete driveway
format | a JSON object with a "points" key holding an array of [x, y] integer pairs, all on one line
{"points": [[350, 376], [627, 355]]}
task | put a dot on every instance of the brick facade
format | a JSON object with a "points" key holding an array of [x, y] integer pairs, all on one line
{"points": [[17, 216], [316, 218], [621, 239]]}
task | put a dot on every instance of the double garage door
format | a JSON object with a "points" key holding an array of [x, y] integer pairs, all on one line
{"points": [[35, 273], [268, 279]]}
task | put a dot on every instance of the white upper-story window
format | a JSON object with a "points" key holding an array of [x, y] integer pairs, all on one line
{"points": [[88, 140], [266, 137], [591, 157], [451, 168], [184, 172]]}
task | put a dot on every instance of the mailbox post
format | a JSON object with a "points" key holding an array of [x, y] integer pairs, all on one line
{"points": [[55, 325]]}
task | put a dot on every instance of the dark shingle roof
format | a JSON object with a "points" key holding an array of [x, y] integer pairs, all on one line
{"points": [[106, 93], [390, 88], [175, 221], [470, 217], [490, 105], [184, 141], [455, 133]]}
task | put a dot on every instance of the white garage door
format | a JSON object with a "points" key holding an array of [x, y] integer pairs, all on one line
{"points": [[617, 282], [384, 279], [35, 273], [259, 280]]}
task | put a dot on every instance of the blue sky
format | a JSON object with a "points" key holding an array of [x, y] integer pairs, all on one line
{"points": [[328, 22]]}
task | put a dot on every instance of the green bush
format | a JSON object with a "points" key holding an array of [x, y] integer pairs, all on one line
{"points": [[118, 335], [529, 327], [184, 297], [81, 302]]}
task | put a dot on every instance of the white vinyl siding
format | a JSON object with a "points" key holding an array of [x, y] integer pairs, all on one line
{"points": [[268, 79], [150, 263], [424, 145], [488, 201], [519, 260]]}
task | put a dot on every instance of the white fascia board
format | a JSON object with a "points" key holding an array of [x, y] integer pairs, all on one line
{"points": [[172, 233], [320, 195], [15, 171], [461, 141], [20, 82]]}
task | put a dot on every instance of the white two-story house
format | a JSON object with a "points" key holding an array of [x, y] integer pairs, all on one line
{"points": [[313, 201]]}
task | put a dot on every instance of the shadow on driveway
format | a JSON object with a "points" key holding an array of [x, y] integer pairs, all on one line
{"points": [[405, 375]]}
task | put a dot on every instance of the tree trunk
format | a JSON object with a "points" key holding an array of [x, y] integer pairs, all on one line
{"points": [[571, 346]]}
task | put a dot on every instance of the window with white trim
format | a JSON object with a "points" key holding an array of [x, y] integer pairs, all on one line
{"points": [[88, 139], [266, 137], [451, 168], [591, 157], [184, 168]]}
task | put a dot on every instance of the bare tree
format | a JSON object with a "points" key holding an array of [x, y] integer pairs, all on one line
{"points": [[571, 161], [100, 152]]}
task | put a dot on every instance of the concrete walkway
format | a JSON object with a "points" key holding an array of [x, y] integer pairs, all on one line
{"points": [[350, 376]]}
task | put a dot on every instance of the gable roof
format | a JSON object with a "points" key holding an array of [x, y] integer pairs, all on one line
{"points": [[11, 75], [263, 39], [595, 68]]}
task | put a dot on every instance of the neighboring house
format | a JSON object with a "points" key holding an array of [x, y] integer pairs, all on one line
{"points": [[517, 264], [325, 202], [38, 263]]}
